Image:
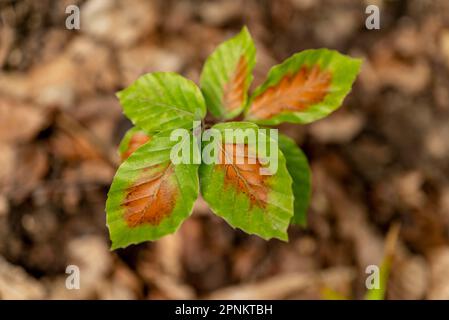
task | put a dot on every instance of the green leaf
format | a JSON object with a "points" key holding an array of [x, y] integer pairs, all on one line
{"points": [[298, 167], [241, 193], [150, 196], [133, 139], [226, 76], [306, 87], [328, 293], [162, 101]]}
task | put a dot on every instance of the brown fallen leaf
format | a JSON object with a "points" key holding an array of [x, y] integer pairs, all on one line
{"points": [[16, 284], [409, 278], [120, 22], [385, 69], [338, 128], [7, 165], [19, 121], [217, 13], [31, 167], [168, 287], [147, 57], [281, 286], [352, 221], [439, 274], [70, 75], [93, 258]]}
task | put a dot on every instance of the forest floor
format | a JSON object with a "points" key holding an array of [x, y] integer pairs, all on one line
{"points": [[381, 160]]}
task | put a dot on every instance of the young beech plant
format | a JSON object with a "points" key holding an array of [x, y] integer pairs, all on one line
{"points": [[151, 195]]}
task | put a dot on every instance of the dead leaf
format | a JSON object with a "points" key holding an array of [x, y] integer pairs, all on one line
{"points": [[74, 73], [120, 22], [439, 274], [338, 128], [16, 284], [281, 286], [32, 166], [20, 122]]}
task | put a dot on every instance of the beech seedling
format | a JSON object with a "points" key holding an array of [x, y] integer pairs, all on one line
{"points": [[258, 180]]}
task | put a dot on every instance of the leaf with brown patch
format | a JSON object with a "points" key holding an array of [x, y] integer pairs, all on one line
{"points": [[132, 140], [150, 196], [293, 93], [306, 87], [226, 76], [237, 189], [244, 175], [234, 91]]}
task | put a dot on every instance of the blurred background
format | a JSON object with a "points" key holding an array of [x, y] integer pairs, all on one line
{"points": [[381, 159]]}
